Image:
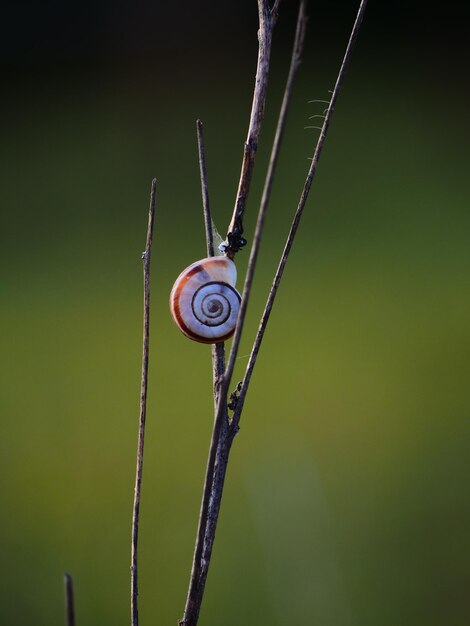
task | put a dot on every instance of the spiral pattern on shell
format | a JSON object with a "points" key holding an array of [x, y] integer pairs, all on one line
{"points": [[204, 302]]}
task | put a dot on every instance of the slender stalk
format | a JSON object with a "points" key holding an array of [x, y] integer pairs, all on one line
{"points": [[143, 407], [196, 590], [298, 214], [205, 190], [233, 243], [229, 429], [281, 124], [222, 435], [225, 429], [218, 350], [69, 603], [267, 20]]}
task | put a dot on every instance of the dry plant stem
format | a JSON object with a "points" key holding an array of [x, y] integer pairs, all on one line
{"points": [[267, 20], [218, 350], [69, 604], [298, 213], [143, 407], [223, 433], [205, 190], [228, 429], [234, 239], [294, 65], [195, 590]]}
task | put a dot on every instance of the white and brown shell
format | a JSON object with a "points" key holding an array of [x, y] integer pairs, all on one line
{"points": [[204, 302]]}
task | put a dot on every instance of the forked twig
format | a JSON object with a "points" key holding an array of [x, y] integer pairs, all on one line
{"points": [[222, 433], [298, 214], [143, 407], [233, 243], [224, 428], [197, 579], [228, 429], [69, 603], [275, 150]]}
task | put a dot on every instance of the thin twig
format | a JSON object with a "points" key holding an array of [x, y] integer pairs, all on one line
{"points": [[143, 406], [298, 213], [202, 550], [233, 243], [227, 430], [69, 604], [205, 190], [218, 351], [267, 20], [196, 589], [222, 435], [275, 9], [294, 65]]}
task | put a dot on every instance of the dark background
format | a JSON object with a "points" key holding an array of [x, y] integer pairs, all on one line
{"points": [[347, 495]]}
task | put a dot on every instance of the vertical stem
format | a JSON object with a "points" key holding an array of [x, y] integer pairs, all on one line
{"points": [[205, 190], [69, 604], [267, 20], [143, 407], [218, 349], [197, 577], [224, 431], [228, 430]]}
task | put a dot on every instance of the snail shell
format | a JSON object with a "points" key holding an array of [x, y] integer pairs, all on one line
{"points": [[204, 302]]}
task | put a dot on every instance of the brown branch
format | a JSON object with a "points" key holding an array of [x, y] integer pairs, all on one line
{"points": [[229, 430], [222, 435], [69, 604], [197, 578], [235, 239], [225, 429], [143, 407], [298, 213]]}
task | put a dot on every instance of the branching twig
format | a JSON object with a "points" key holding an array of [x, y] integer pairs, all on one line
{"points": [[197, 579], [222, 435], [299, 211], [143, 407], [295, 62], [69, 604], [225, 429], [228, 430]]}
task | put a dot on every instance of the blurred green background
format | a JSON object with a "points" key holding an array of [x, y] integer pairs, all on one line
{"points": [[347, 499]]}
